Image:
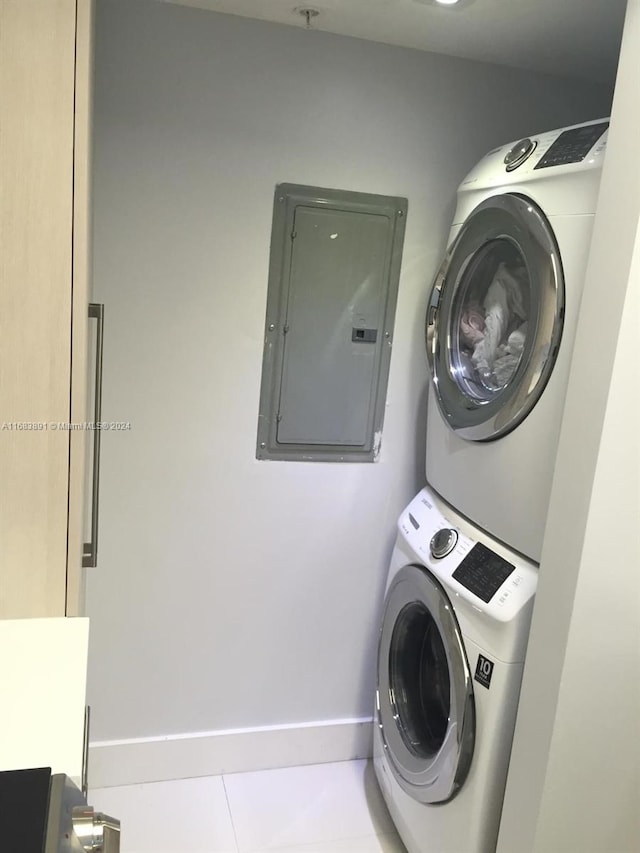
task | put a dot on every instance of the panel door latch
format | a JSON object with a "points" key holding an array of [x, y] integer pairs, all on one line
{"points": [[364, 336]]}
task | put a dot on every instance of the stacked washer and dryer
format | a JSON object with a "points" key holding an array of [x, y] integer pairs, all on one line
{"points": [[500, 328]]}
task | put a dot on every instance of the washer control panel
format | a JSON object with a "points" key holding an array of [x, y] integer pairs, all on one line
{"points": [[468, 562], [483, 572]]}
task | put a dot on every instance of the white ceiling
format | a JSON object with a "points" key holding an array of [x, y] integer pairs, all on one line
{"points": [[577, 38]]}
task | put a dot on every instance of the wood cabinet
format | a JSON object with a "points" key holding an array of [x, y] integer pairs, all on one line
{"points": [[45, 85]]}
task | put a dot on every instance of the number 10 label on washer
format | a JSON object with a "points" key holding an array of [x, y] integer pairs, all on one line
{"points": [[484, 671]]}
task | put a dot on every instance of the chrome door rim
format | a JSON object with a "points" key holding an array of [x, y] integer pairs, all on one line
{"points": [[438, 778], [519, 221]]}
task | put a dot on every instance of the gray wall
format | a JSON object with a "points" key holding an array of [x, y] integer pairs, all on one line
{"points": [[233, 593]]}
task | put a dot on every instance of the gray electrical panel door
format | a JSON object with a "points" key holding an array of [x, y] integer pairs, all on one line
{"points": [[335, 259], [336, 288]]}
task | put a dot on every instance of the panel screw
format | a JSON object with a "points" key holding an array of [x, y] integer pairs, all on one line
{"points": [[401, 213], [281, 198], [263, 444], [387, 334], [272, 326]]}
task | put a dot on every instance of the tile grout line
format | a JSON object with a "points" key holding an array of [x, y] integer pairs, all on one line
{"points": [[233, 824], [381, 833]]}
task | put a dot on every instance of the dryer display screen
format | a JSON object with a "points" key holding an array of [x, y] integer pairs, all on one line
{"points": [[482, 572], [572, 146]]}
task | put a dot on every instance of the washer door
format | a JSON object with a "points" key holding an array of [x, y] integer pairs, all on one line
{"points": [[495, 318], [425, 704]]}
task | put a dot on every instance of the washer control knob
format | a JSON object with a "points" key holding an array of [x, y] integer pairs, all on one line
{"points": [[443, 542], [519, 153]]}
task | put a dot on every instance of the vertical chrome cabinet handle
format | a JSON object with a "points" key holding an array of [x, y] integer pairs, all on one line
{"points": [[90, 550], [85, 751]]}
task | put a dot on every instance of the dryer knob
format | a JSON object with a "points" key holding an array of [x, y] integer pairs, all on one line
{"points": [[519, 153], [443, 542]]}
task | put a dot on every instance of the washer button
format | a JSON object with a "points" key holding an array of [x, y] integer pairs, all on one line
{"points": [[443, 542]]}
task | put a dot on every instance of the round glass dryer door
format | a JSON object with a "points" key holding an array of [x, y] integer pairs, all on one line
{"points": [[425, 704], [495, 317]]}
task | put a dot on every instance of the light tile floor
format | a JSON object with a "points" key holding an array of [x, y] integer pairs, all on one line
{"points": [[322, 808]]}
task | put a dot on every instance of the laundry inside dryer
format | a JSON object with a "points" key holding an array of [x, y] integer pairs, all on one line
{"points": [[490, 320]]}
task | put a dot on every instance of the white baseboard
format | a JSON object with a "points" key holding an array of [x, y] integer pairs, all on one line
{"points": [[182, 756]]}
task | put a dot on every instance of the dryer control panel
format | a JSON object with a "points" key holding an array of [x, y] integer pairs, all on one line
{"points": [[469, 563], [572, 146], [559, 169]]}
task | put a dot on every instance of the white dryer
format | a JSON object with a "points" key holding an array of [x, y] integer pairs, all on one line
{"points": [[500, 329], [450, 660]]}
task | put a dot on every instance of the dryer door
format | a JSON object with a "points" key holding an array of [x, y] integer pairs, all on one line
{"points": [[495, 317], [425, 703]]}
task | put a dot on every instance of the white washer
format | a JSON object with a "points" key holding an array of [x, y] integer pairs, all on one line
{"points": [[450, 661], [500, 329]]}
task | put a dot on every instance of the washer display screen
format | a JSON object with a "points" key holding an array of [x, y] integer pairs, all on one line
{"points": [[483, 572]]}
